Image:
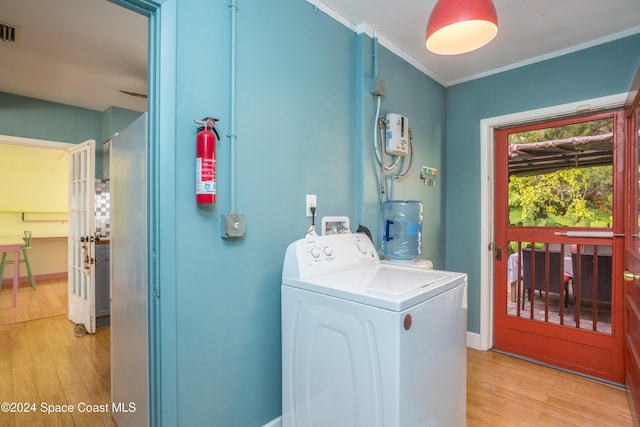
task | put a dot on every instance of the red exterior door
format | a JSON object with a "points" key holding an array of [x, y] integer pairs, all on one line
{"points": [[632, 251], [558, 291]]}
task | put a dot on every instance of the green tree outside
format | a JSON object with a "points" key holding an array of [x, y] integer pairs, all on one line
{"points": [[574, 197], [571, 198]]}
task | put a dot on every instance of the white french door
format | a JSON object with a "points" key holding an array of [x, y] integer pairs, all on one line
{"points": [[82, 310]]}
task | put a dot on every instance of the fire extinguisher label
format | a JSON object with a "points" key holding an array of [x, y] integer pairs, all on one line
{"points": [[205, 183]]}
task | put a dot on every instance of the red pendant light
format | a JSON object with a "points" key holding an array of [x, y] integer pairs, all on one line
{"points": [[460, 26]]}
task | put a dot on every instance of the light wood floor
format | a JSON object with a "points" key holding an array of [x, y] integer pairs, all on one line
{"points": [[505, 391], [49, 299], [43, 361]]}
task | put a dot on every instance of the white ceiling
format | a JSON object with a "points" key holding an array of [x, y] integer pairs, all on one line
{"points": [[529, 30], [76, 52], [82, 52]]}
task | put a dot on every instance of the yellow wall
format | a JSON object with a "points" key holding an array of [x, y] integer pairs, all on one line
{"points": [[35, 181]]}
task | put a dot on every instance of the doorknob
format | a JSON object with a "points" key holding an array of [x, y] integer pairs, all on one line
{"points": [[630, 276]]}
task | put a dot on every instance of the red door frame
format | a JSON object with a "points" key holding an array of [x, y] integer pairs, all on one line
{"points": [[580, 350]]}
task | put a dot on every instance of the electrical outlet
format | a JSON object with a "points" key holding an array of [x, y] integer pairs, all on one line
{"points": [[311, 202]]}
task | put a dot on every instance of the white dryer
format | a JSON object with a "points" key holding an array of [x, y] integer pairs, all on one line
{"points": [[370, 344]]}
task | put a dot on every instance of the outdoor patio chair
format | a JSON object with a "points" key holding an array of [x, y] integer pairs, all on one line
{"points": [[537, 274], [584, 277]]}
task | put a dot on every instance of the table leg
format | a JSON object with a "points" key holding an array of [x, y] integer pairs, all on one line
{"points": [[16, 275]]}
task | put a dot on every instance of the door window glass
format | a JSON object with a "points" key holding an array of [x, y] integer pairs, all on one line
{"points": [[562, 176]]}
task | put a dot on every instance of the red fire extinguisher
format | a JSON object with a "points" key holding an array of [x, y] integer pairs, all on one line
{"points": [[206, 161]]}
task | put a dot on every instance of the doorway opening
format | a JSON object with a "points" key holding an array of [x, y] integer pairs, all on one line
{"points": [[110, 122], [37, 203], [561, 176], [558, 210]]}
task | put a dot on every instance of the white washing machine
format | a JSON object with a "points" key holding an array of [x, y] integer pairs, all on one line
{"points": [[370, 344]]}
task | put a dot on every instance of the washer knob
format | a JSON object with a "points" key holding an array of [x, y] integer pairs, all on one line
{"points": [[328, 251], [362, 246], [315, 252]]}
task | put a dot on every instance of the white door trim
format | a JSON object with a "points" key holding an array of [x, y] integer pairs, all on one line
{"points": [[36, 143]]}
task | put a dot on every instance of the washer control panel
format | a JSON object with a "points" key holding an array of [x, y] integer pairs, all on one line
{"points": [[319, 255]]}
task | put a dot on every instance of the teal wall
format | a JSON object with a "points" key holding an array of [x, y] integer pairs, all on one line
{"points": [[602, 70], [422, 100], [114, 120], [304, 126], [37, 119]]}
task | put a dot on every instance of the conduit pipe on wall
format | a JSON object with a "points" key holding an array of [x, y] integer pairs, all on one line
{"points": [[376, 91], [233, 7], [380, 156], [234, 225], [375, 54]]}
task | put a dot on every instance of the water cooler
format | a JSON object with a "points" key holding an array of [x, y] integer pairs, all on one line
{"points": [[402, 240]]}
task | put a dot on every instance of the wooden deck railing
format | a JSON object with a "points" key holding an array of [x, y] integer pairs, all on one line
{"points": [[562, 283]]}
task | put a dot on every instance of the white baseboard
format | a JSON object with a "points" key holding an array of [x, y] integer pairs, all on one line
{"points": [[473, 341], [275, 423]]}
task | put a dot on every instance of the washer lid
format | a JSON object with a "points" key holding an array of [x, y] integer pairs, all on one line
{"points": [[388, 287]]}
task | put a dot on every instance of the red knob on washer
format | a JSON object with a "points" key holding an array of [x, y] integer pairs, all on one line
{"points": [[407, 322]]}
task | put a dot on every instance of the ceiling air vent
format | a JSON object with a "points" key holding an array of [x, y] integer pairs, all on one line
{"points": [[8, 32]]}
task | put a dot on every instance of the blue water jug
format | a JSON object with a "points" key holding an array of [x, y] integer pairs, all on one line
{"points": [[402, 229]]}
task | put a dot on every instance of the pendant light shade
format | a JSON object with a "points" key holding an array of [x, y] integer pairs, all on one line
{"points": [[460, 26]]}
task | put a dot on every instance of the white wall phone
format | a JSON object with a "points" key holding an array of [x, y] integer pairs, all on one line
{"points": [[397, 134]]}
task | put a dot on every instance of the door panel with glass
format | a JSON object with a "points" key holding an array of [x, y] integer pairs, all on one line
{"points": [[558, 210], [81, 295]]}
